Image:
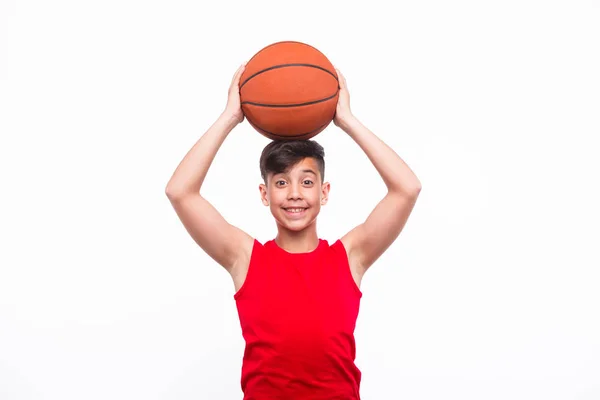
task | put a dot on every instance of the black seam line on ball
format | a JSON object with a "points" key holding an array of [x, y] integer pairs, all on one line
{"points": [[288, 65], [291, 136], [289, 105]]}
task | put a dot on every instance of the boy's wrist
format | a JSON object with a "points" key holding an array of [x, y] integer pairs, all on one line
{"points": [[229, 120], [346, 123]]}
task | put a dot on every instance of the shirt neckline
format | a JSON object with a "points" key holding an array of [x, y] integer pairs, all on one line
{"points": [[308, 253]]}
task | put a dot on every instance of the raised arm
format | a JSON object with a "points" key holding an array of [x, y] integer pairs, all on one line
{"points": [[226, 244], [367, 242]]}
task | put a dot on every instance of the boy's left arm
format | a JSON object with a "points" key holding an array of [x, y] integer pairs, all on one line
{"points": [[369, 240]]}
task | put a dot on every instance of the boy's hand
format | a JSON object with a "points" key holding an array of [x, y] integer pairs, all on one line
{"points": [[233, 110], [342, 110]]}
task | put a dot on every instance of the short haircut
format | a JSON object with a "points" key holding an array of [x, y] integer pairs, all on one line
{"points": [[280, 155]]}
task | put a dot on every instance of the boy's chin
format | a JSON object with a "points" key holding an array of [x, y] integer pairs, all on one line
{"points": [[294, 225]]}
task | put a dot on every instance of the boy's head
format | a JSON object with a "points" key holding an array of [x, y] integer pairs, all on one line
{"points": [[294, 188], [280, 155]]}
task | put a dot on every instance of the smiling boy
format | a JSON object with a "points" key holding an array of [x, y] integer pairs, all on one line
{"points": [[297, 295]]}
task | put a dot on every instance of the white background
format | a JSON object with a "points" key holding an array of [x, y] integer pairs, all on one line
{"points": [[491, 291]]}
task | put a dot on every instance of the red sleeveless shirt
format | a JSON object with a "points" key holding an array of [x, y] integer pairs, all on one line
{"points": [[298, 313]]}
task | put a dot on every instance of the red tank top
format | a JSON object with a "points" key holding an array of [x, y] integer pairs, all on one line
{"points": [[298, 313]]}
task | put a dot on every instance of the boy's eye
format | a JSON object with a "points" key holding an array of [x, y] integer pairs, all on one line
{"points": [[305, 182]]}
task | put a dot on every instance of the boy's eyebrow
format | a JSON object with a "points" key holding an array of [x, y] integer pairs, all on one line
{"points": [[310, 171]]}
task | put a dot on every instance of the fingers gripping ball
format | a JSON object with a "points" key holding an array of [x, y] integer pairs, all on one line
{"points": [[289, 90]]}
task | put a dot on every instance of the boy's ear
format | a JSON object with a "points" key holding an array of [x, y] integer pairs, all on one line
{"points": [[263, 194], [325, 187]]}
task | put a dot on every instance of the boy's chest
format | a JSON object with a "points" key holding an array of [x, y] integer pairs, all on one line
{"points": [[304, 300]]}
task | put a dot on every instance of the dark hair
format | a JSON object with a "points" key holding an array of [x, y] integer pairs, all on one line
{"points": [[280, 155]]}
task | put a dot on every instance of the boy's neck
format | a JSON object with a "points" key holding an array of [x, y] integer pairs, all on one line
{"points": [[303, 241]]}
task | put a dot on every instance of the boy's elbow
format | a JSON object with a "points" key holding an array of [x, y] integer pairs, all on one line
{"points": [[172, 193], [413, 189], [413, 192], [176, 193], [417, 188]]}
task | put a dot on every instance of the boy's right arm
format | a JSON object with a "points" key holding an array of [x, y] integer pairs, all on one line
{"points": [[226, 244]]}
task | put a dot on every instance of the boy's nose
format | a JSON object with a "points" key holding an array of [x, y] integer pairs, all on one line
{"points": [[294, 192]]}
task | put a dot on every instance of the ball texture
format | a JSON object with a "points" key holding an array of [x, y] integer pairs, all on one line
{"points": [[289, 90]]}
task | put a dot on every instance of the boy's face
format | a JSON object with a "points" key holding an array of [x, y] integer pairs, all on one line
{"points": [[295, 197]]}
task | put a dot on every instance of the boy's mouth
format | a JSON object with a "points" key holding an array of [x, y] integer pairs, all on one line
{"points": [[295, 210]]}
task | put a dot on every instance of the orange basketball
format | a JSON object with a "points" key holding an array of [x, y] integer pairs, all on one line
{"points": [[289, 90]]}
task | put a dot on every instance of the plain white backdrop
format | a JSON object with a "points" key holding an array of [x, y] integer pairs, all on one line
{"points": [[490, 292]]}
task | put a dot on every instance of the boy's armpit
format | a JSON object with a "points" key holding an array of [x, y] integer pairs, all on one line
{"points": [[223, 242], [369, 240]]}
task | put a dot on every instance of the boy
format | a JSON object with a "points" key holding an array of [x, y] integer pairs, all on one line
{"points": [[297, 296]]}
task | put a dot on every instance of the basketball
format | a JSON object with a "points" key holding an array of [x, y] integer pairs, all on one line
{"points": [[289, 90]]}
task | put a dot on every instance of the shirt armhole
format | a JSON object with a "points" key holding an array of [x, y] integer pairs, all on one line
{"points": [[254, 258], [339, 247]]}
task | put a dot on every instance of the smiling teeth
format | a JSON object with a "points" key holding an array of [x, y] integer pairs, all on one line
{"points": [[295, 210]]}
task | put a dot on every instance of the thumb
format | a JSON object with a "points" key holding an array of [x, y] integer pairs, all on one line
{"points": [[236, 77]]}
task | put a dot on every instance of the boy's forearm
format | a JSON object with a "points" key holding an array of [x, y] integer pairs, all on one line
{"points": [[397, 176], [191, 171]]}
